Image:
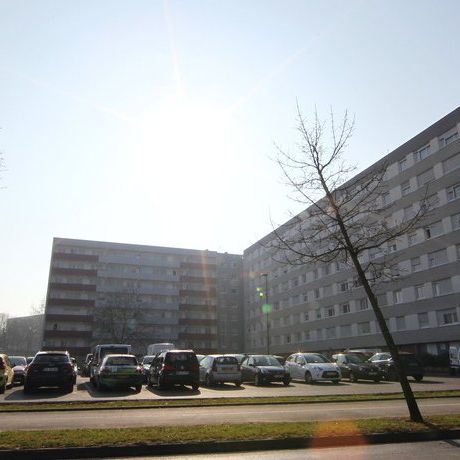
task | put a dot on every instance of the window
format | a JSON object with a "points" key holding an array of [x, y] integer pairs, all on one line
{"points": [[315, 274], [437, 257], [457, 248], [364, 328], [305, 297], [433, 230], [363, 303], [397, 296], [455, 221], [330, 311], [405, 188], [442, 287], [316, 293], [448, 137], [412, 238], [382, 299], [451, 163], [306, 316], [318, 313], [345, 330], [345, 308], [344, 287], [400, 323], [453, 192], [415, 264], [402, 165], [423, 320], [420, 291], [448, 316], [392, 247], [409, 212], [422, 153], [425, 177], [330, 332], [327, 269]]}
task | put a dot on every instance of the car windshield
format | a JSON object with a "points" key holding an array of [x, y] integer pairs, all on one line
{"points": [[266, 361], [50, 358], [314, 358], [380, 357], [18, 361], [148, 359], [355, 359], [121, 361]]}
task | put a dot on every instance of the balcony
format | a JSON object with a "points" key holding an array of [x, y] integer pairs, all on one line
{"points": [[73, 271], [73, 287], [196, 307], [71, 302], [75, 257], [198, 279], [72, 318], [199, 266], [57, 333]]}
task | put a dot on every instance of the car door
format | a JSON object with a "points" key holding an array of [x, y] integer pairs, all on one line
{"points": [[204, 365], [246, 370], [290, 366], [300, 367], [342, 362]]}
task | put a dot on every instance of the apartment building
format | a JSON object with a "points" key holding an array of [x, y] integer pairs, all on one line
{"points": [[323, 307], [102, 292]]}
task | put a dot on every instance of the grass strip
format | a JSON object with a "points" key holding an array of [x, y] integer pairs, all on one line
{"points": [[224, 432], [28, 406]]}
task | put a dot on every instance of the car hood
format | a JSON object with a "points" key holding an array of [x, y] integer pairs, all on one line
{"points": [[366, 365], [324, 366]]}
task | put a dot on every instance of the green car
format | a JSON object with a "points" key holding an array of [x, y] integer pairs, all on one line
{"points": [[119, 371]]}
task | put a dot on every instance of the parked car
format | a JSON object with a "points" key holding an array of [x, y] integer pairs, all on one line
{"points": [[75, 369], [200, 357], [239, 356], [49, 369], [146, 363], [84, 371], [411, 365], [6, 373], [262, 369], [19, 364], [119, 371], [220, 369], [355, 367], [312, 367], [100, 351], [174, 367], [30, 359]]}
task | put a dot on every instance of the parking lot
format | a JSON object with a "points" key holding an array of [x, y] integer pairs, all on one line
{"points": [[84, 390]]}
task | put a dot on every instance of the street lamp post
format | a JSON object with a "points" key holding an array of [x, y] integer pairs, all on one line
{"points": [[267, 311]]}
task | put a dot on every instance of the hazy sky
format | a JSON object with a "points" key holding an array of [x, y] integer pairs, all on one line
{"points": [[153, 122]]}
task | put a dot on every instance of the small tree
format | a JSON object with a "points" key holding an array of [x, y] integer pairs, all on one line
{"points": [[120, 318], [345, 221]]}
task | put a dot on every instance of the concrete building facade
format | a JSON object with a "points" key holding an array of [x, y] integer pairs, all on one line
{"points": [[323, 308], [101, 292]]}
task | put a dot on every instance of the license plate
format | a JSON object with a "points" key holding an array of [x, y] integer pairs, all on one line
{"points": [[50, 369], [182, 373]]}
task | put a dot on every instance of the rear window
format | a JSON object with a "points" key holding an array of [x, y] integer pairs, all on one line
{"points": [[226, 360], [18, 361], [114, 351], [51, 359], [173, 358], [121, 361], [148, 360]]}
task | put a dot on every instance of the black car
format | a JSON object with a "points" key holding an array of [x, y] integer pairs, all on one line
{"points": [[411, 365], [262, 369], [355, 367], [85, 368], [174, 367], [50, 369]]}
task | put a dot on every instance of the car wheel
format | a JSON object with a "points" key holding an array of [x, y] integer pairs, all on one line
{"points": [[195, 387], [238, 384], [335, 382], [418, 378], [257, 380], [69, 388], [138, 388], [352, 377], [308, 378], [286, 382]]}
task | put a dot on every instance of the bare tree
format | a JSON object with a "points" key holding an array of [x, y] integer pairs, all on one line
{"points": [[121, 319], [345, 221]]}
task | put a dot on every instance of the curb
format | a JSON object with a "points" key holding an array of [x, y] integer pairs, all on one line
{"points": [[222, 447], [184, 406]]}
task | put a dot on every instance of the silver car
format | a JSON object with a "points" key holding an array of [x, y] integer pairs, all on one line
{"points": [[220, 369], [312, 367]]}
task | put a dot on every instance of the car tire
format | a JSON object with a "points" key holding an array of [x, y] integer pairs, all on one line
{"points": [[195, 387], [238, 384], [69, 388], [308, 378], [138, 388], [286, 382], [418, 378], [3, 388], [352, 377]]}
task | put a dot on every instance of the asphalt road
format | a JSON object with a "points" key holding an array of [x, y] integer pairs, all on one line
{"points": [[84, 391], [447, 450], [215, 415]]}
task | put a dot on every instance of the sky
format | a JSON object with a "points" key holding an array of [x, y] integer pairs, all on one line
{"points": [[155, 122]]}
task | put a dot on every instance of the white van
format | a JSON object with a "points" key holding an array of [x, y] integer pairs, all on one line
{"points": [[155, 348]]}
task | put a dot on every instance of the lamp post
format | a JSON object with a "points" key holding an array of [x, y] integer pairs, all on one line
{"points": [[266, 307]]}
